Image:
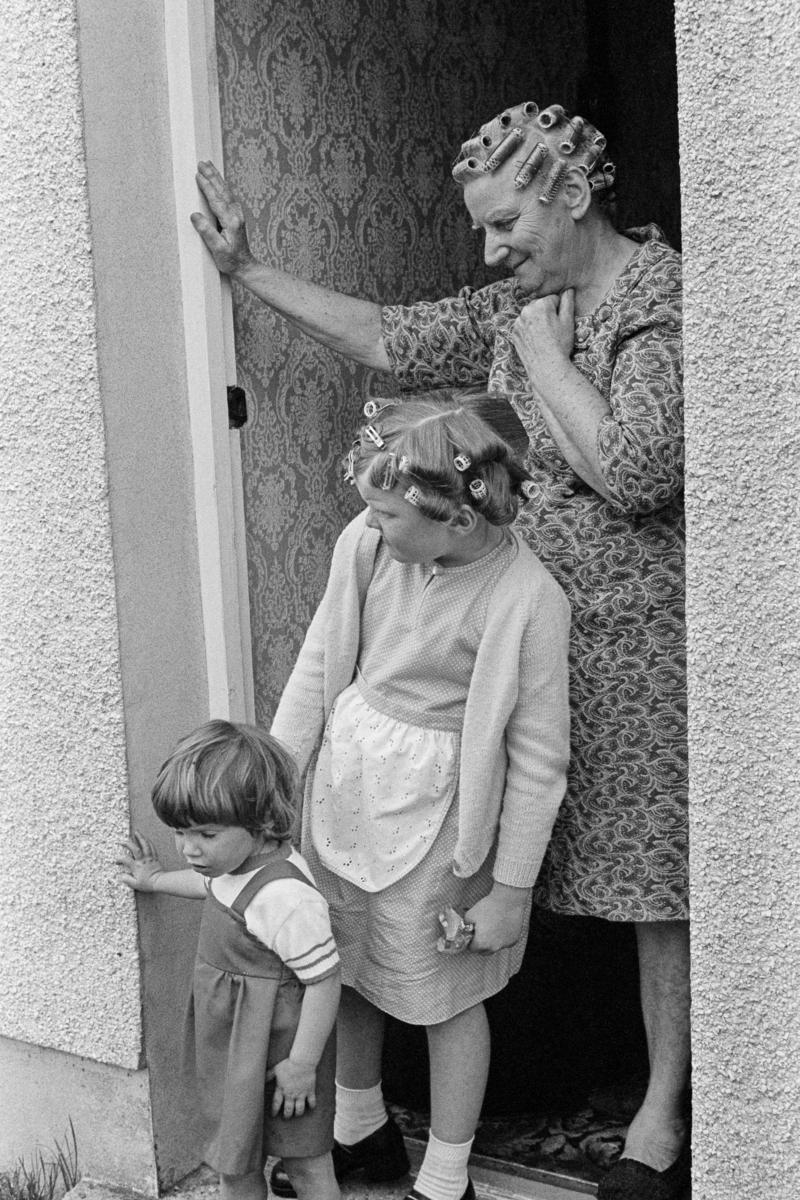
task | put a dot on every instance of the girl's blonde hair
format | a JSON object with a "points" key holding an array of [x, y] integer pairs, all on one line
{"points": [[226, 773], [441, 454]]}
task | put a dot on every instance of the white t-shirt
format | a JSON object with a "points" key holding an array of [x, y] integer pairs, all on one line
{"points": [[289, 918]]}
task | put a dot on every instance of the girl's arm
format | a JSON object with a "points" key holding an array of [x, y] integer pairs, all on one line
{"points": [[296, 1076], [343, 323], [498, 918], [142, 871]]}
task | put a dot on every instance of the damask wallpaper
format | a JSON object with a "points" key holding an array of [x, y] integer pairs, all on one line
{"points": [[340, 122]]}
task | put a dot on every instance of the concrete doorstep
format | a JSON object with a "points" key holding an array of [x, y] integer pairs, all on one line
{"points": [[493, 1180]]}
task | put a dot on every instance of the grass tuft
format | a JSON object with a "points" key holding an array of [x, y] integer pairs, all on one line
{"points": [[45, 1177]]}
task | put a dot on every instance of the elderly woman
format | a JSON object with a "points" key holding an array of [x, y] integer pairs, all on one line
{"points": [[585, 342]]}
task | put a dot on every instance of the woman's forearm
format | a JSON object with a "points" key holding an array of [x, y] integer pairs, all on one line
{"points": [[573, 410], [343, 323]]}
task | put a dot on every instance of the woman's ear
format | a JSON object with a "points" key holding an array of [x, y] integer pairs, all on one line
{"points": [[577, 193]]}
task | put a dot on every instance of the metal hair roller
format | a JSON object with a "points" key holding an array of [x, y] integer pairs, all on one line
{"points": [[554, 181], [467, 166], [413, 495], [504, 149], [551, 116], [371, 409], [478, 490], [371, 432], [606, 178], [475, 145], [531, 166], [572, 139]]}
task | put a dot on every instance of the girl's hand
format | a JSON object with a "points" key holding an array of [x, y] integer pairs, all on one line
{"points": [[295, 1088], [498, 919], [228, 245], [140, 866], [544, 336]]}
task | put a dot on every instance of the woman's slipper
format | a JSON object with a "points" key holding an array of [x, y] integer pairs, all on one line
{"points": [[630, 1179]]}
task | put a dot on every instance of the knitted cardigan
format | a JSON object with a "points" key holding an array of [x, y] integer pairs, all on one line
{"points": [[515, 738]]}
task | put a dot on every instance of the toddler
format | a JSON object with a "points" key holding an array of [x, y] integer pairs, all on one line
{"points": [[267, 978]]}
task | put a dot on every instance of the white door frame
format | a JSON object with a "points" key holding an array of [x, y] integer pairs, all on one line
{"points": [[196, 133]]}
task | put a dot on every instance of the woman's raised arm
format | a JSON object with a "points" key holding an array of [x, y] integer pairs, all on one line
{"points": [[343, 323]]}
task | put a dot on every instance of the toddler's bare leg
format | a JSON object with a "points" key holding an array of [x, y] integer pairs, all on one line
{"points": [[243, 1187], [313, 1178], [359, 1041]]}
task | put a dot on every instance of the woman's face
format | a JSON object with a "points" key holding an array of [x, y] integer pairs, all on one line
{"points": [[534, 240]]}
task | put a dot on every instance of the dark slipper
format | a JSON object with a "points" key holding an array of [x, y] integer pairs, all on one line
{"points": [[629, 1179]]}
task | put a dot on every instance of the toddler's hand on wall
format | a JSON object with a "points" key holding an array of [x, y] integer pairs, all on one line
{"points": [[139, 866]]}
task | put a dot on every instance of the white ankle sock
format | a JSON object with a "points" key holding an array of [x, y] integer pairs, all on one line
{"points": [[359, 1112], [443, 1174]]}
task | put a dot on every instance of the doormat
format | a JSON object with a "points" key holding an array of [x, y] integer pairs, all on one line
{"points": [[580, 1144]]}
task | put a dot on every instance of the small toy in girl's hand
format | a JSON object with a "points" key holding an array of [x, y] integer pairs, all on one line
{"points": [[457, 935]]}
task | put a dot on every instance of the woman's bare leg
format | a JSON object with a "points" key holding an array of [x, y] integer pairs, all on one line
{"points": [[658, 1131]]}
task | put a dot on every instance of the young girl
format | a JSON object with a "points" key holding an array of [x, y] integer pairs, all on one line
{"points": [[429, 708], [267, 978]]}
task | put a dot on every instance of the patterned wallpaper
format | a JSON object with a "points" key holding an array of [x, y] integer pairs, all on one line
{"points": [[340, 121]]}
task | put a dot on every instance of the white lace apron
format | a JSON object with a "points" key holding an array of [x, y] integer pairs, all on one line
{"points": [[380, 792]]}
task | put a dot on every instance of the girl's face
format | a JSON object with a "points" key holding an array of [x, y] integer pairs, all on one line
{"points": [[410, 536], [214, 850]]}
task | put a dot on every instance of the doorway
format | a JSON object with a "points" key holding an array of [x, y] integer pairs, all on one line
{"points": [[340, 121]]}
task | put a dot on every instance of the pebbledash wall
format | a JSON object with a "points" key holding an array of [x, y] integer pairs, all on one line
{"points": [[738, 68], [101, 629], [70, 991], [101, 624]]}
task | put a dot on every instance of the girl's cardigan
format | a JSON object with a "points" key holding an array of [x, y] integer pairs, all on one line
{"points": [[515, 739]]}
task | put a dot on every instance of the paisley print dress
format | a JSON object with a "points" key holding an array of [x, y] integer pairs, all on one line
{"points": [[620, 847]]}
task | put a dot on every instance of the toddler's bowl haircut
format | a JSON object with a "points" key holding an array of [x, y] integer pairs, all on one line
{"points": [[228, 773]]}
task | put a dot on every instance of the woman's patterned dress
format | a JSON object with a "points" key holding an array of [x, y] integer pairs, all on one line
{"points": [[620, 847]]}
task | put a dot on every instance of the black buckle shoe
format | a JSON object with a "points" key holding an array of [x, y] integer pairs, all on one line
{"points": [[380, 1158]]}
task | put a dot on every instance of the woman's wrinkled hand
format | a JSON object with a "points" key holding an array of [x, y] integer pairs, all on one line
{"points": [[140, 866], [228, 245], [498, 919], [544, 336]]}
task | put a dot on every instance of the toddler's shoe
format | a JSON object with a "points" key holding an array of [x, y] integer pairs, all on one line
{"points": [[380, 1158]]}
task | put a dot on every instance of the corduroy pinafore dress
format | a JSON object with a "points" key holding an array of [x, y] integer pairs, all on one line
{"points": [[243, 1014]]}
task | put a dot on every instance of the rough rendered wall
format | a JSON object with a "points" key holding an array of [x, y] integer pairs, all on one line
{"points": [[67, 937], [740, 149]]}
